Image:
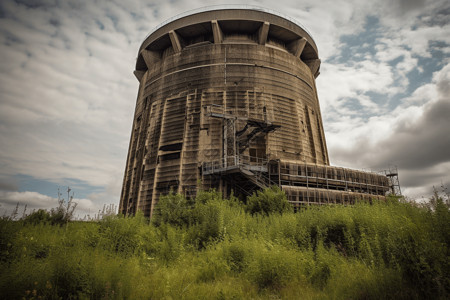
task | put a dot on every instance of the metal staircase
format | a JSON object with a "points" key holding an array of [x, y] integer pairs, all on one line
{"points": [[246, 173]]}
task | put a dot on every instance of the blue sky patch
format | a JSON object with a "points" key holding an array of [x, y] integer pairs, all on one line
{"points": [[45, 187]]}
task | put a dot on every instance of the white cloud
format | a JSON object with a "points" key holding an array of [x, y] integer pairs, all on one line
{"points": [[340, 83], [414, 136], [27, 202]]}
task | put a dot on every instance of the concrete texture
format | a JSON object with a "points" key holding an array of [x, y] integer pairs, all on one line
{"points": [[225, 96]]}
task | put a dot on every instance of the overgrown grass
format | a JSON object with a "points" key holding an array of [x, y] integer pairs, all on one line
{"points": [[210, 248]]}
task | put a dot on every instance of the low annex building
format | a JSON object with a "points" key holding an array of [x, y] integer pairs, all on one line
{"points": [[227, 100]]}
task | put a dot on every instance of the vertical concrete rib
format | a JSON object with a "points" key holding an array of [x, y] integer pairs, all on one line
{"points": [[150, 57], [175, 40], [314, 65], [217, 32], [138, 74], [297, 46], [263, 32]]}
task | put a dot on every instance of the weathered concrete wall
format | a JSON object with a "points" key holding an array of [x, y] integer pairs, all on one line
{"points": [[252, 65]]}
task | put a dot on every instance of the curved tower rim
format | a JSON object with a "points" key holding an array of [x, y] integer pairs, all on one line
{"points": [[227, 7], [290, 29]]}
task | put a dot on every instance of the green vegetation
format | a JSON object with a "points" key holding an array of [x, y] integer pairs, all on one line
{"points": [[209, 248]]}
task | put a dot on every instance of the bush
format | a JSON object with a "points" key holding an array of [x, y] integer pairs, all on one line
{"points": [[208, 223], [268, 201], [172, 209], [275, 267], [122, 234], [237, 256], [39, 216]]}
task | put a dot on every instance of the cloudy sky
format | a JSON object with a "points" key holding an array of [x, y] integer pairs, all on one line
{"points": [[67, 90]]}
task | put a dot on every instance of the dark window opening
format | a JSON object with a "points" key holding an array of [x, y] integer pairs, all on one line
{"points": [[171, 147], [170, 156]]}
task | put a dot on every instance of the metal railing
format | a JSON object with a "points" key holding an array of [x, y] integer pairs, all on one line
{"points": [[232, 162]]}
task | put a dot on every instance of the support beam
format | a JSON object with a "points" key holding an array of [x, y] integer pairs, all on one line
{"points": [[297, 46], [263, 32], [217, 32], [314, 65], [139, 74], [150, 57], [175, 40]]}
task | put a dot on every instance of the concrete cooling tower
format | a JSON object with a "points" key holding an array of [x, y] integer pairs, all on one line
{"points": [[227, 100]]}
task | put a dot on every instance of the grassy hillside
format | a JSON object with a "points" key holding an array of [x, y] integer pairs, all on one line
{"points": [[223, 249]]}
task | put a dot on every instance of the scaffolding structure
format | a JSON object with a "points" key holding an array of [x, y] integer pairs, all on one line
{"points": [[394, 183], [304, 183]]}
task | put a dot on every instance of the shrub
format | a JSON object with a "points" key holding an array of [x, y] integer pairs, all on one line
{"points": [[208, 223], [122, 234], [268, 201], [169, 244], [172, 209], [275, 267], [39, 216], [239, 253]]}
